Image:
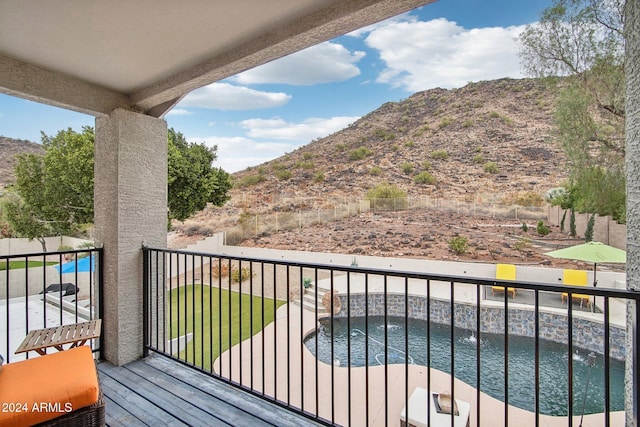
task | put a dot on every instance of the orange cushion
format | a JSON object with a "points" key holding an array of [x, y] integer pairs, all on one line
{"points": [[46, 387]]}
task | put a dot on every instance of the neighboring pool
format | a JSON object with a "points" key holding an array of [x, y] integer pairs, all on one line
{"points": [[553, 361]]}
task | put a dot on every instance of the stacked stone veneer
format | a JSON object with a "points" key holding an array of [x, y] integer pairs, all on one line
{"points": [[587, 334]]}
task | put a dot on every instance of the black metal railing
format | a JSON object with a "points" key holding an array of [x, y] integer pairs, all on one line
{"points": [[352, 346], [42, 290]]}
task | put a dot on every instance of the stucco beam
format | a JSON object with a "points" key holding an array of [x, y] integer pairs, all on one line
{"points": [[338, 18], [37, 84]]}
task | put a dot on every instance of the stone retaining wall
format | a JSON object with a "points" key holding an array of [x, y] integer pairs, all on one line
{"points": [[587, 334]]}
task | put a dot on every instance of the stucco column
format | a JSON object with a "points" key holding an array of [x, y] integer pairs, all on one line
{"points": [[632, 134], [130, 210]]}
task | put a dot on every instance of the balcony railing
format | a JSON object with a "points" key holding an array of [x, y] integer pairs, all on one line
{"points": [[42, 290], [353, 346]]}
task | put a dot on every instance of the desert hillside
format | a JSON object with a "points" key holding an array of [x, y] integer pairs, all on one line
{"points": [[488, 139], [8, 149]]}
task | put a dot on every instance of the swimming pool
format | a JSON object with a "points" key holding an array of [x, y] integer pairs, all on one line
{"points": [[553, 365]]}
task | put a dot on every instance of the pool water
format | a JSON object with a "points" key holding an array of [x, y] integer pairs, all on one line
{"points": [[553, 366]]}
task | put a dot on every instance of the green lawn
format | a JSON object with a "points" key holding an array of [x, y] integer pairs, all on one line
{"points": [[208, 317], [16, 265]]}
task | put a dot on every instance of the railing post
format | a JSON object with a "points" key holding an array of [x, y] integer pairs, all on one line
{"points": [[145, 302], [635, 383]]}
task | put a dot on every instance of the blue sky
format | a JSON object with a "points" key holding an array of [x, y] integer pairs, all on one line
{"points": [[271, 110]]}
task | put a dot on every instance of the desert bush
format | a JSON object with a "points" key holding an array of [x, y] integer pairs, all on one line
{"points": [[360, 153], [459, 244], [395, 147], [525, 198], [407, 167], [426, 165], [421, 130], [494, 115], [409, 144], [277, 166], [542, 229], [250, 180], [490, 167], [425, 177], [478, 158], [318, 177], [306, 165], [445, 122], [283, 175], [522, 245], [375, 170], [387, 196], [307, 156], [467, 123], [341, 148], [439, 154], [240, 275]]}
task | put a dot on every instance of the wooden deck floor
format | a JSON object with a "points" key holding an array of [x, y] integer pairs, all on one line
{"points": [[157, 391]]}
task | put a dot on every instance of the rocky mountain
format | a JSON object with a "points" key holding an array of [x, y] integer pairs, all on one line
{"points": [[8, 149], [489, 137]]}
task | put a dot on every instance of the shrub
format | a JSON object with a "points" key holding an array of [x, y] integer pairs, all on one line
{"points": [[522, 245], [387, 196], [528, 198], [277, 166], [478, 158], [467, 123], [459, 244], [250, 180], [588, 233], [445, 122], [375, 171], [306, 165], [239, 276], [395, 147], [494, 115], [318, 177], [425, 177], [283, 175], [542, 229], [307, 156], [409, 144], [407, 167], [439, 154], [426, 165], [490, 167], [525, 227], [360, 153]]}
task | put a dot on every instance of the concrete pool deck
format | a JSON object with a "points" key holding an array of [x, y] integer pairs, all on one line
{"points": [[293, 380]]}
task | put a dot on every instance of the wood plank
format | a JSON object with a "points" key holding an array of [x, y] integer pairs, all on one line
{"points": [[213, 405], [252, 404], [137, 405], [181, 409], [116, 415]]}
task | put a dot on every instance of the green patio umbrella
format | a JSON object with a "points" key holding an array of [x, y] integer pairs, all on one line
{"points": [[594, 252]]}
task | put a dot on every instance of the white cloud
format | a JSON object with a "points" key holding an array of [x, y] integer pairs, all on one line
{"points": [[440, 53], [323, 63], [305, 131], [238, 153], [369, 28], [179, 112], [224, 96]]}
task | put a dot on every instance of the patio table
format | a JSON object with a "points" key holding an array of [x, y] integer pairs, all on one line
{"points": [[76, 334]]}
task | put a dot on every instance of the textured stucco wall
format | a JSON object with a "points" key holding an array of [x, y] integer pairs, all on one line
{"points": [[130, 210], [632, 135]]}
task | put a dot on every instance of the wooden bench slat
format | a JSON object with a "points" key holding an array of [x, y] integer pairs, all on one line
{"points": [[74, 334]]}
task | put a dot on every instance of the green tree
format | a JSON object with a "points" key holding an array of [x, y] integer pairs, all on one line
{"points": [[23, 221], [583, 39], [53, 193], [193, 182]]}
